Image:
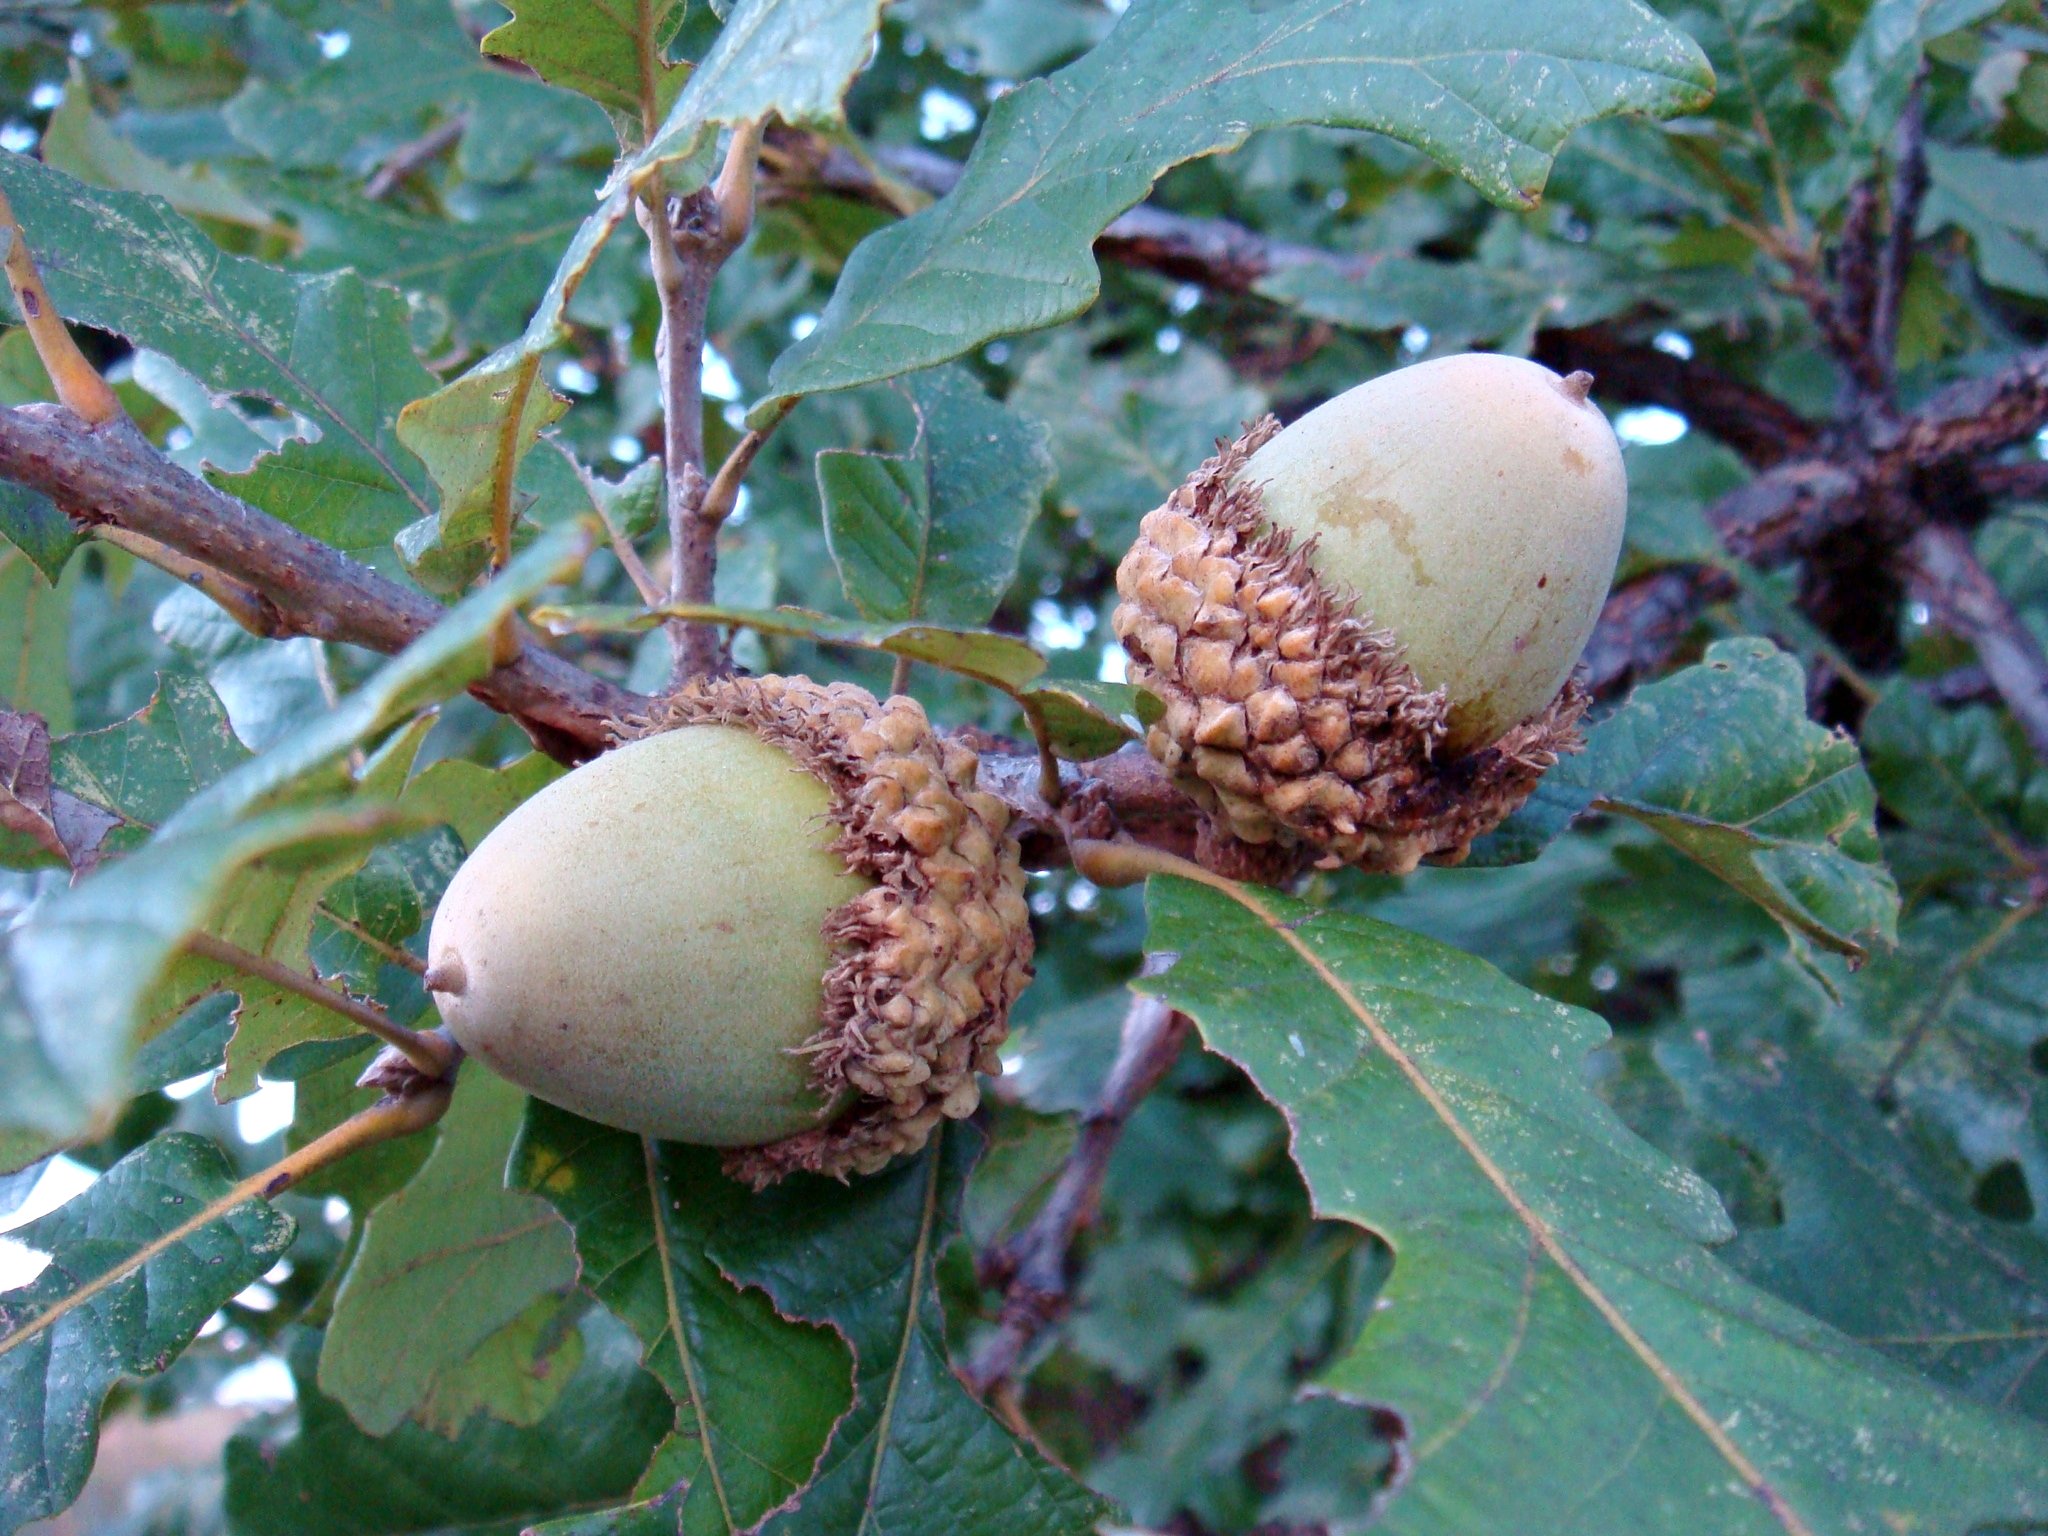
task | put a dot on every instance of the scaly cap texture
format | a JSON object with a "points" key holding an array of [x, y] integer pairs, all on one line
{"points": [[931, 959], [1293, 720]]}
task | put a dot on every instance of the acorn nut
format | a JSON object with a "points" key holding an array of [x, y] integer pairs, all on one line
{"points": [[1410, 573], [780, 919]]}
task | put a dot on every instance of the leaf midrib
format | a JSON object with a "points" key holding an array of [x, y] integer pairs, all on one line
{"points": [[1539, 1229]]}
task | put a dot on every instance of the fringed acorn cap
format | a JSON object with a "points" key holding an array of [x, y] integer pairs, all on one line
{"points": [[929, 960], [1294, 721]]}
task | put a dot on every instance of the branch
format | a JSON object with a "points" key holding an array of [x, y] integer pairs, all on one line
{"points": [[689, 239], [2026, 480], [111, 476], [1229, 258], [1943, 572], [1032, 1267], [1977, 416], [240, 601]]}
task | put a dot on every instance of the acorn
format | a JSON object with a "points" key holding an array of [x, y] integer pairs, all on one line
{"points": [[779, 919], [1363, 627]]}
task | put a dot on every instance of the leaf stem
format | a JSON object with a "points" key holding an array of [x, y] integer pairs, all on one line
{"points": [[78, 383], [724, 493], [241, 602], [387, 1119], [432, 1054]]}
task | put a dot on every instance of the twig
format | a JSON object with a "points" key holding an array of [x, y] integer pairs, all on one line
{"points": [[1032, 1267], [112, 476], [386, 1120], [413, 156], [724, 492], [1945, 574], [688, 240], [78, 383], [430, 1053], [1909, 189]]}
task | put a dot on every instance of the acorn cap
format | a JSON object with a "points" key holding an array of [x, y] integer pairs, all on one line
{"points": [[931, 959], [1297, 724]]}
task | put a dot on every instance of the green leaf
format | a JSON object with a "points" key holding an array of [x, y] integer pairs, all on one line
{"points": [[487, 268], [515, 1376], [136, 1264], [617, 56], [142, 769], [331, 348], [1868, 1243], [757, 1394], [1963, 782], [934, 533], [1548, 1284], [916, 1456], [1125, 435], [791, 58], [317, 1474], [472, 798], [93, 962], [80, 143], [35, 628], [1721, 761], [2001, 203], [30, 521], [455, 1246], [409, 63], [1085, 719], [1489, 93], [1002, 661], [38, 819], [441, 663]]}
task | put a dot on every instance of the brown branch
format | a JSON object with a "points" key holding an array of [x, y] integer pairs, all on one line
{"points": [[1787, 510], [1032, 1267], [2026, 480], [1943, 571], [1230, 258], [110, 475], [689, 239], [1977, 416], [1756, 424]]}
